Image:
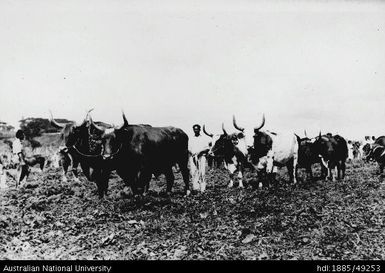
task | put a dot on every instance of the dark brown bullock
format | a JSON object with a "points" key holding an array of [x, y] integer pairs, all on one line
{"points": [[368, 148], [137, 152], [213, 161], [30, 161], [380, 141], [82, 145], [333, 152], [377, 152], [307, 156]]}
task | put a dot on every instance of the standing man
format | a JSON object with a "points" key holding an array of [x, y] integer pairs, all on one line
{"points": [[350, 150], [18, 152], [198, 149]]}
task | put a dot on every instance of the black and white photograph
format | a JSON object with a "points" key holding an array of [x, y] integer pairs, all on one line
{"points": [[192, 130]]}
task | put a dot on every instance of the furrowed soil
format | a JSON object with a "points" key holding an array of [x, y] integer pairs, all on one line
{"points": [[51, 219]]}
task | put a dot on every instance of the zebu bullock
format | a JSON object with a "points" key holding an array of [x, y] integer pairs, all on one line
{"points": [[138, 151], [380, 141], [333, 152], [271, 150], [213, 161], [368, 149], [80, 146], [377, 152], [306, 155], [232, 148]]}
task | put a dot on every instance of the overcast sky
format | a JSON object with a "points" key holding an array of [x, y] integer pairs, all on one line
{"points": [[306, 65]]}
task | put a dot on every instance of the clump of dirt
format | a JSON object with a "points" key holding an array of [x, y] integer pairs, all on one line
{"points": [[51, 219]]}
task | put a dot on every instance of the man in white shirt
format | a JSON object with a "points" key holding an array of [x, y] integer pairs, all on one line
{"points": [[198, 148], [18, 152], [350, 150]]}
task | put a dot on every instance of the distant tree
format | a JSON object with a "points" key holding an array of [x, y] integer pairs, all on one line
{"points": [[34, 127], [6, 130], [6, 127], [8, 142]]}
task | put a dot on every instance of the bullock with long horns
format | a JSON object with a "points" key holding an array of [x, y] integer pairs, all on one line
{"points": [[80, 145], [307, 156], [137, 152], [271, 150], [232, 148], [213, 161]]}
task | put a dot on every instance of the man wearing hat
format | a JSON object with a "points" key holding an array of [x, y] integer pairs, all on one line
{"points": [[198, 148]]}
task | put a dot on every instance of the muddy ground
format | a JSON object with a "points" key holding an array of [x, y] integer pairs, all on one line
{"points": [[51, 219]]}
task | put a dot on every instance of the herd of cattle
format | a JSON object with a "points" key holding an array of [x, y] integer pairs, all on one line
{"points": [[137, 152]]}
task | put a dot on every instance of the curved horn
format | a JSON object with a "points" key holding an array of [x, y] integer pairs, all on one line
{"points": [[88, 113], [125, 122], [204, 131], [305, 133], [236, 126], [223, 129], [56, 124], [263, 123], [298, 138], [97, 127]]}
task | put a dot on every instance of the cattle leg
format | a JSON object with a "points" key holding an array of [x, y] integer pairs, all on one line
{"points": [[240, 178], [65, 163], [144, 181], [42, 163], [309, 172], [170, 181], [75, 171], [102, 183], [332, 175], [186, 178], [324, 172], [341, 170], [86, 170], [290, 170], [271, 179], [231, 168]]}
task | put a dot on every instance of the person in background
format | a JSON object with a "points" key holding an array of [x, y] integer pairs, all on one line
{"points": [[198, 149], [350, 150], [19, 155], [367, 140]]}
